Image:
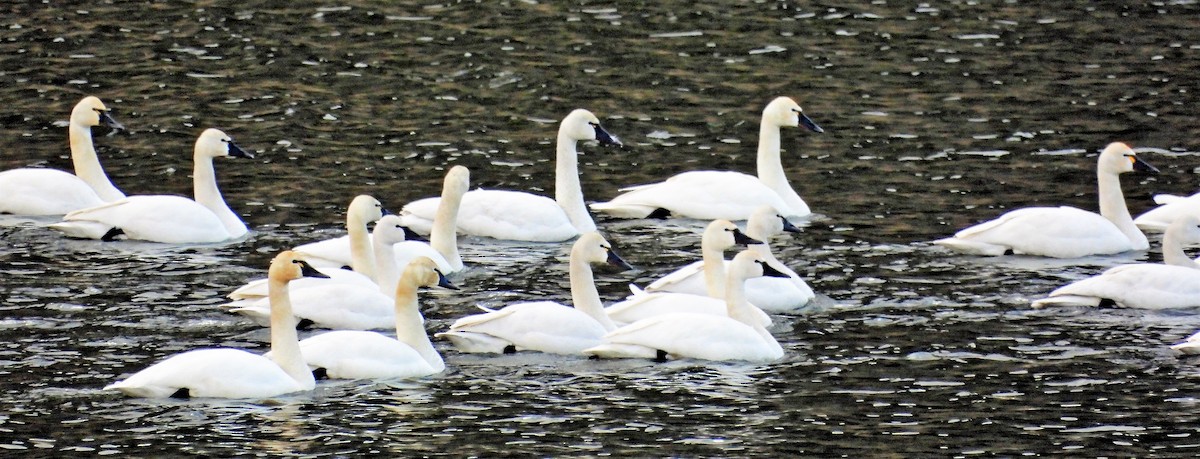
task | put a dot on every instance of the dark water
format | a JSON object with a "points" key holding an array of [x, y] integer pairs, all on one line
{"points": [[936, 115]]}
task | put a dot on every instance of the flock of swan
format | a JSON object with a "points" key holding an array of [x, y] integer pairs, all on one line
{"points": [[713, 309]]}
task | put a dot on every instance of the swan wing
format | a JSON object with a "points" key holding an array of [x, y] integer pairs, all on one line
{"points": [[1159, 218], [688, 279], [543, 326], [699, 336], [1139, 285], [31, 191]]}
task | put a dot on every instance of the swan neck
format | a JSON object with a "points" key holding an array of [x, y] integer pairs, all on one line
{"points": [[285, 344], [386, 270], [362, 260], [584, 294], [714, 271], [443, 237], [87, 164], [567, 190], [1112, 207], [206, 193], [410, 324], [736, 304], [770, 165]]}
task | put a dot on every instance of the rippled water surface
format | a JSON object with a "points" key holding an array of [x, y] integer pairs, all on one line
{"points": [[936, 115]]}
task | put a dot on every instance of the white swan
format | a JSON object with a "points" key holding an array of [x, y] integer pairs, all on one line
{"points": [[349, 354], [546, 326], [169, 219], [387, 233], [1064, 232], [521, 216], [1190, 345], [443, 240], [234, 373], [768, 293], [1170, 208], [735, 336], [354, 249], [711, 195], [40, 191], [698, 287], [1142, 285]]}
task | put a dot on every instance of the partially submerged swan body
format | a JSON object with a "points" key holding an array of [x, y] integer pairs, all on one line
{"points": [[734, 336], [234, 373], [545, 326], [42, 191], [355, 248], [164, 218], [1064, 232], [711, 195], [520, 216], [1170, 209], [1175, 284], [352, 354]]}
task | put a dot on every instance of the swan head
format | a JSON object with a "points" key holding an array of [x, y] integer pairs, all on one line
{"points": [[592, 248], [458, 180], [365, 208], [766, 222], [1185, 230], [1118, 158], [785, 112], [723, 234], [390, 230], [215, 144], [749, 264], [423, 272], [289, 265], [583, 125], [91, 112]]}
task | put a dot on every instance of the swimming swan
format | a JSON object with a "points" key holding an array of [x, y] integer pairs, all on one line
{"points": [[349, 354], [735, 336], [1064, 232], [443, 240], [164, 218], [387, 233], [1170, 208], [354, 249], [1142, 285], [234, 373], [40, 191], [546, 326], [711, 195], [686, 289], [521, 216]]}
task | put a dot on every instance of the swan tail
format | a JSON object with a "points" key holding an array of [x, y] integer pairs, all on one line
{"points": [[259, 315], [972, 247], [83, 229], [1187, 347], [1067, 300], [622, 351], [142, 391], [472, 342], [1164, 199], [1147, 224]]}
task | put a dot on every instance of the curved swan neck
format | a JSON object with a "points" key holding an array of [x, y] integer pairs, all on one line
{"points": [[770, 168], [1173, 253], [714, 271], [362, 260], [205, 191], [584, 294], [410, 325], [87, 164], [567, 190], [443, 237], [285, 344], [1112, 207], [736, 304]]}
